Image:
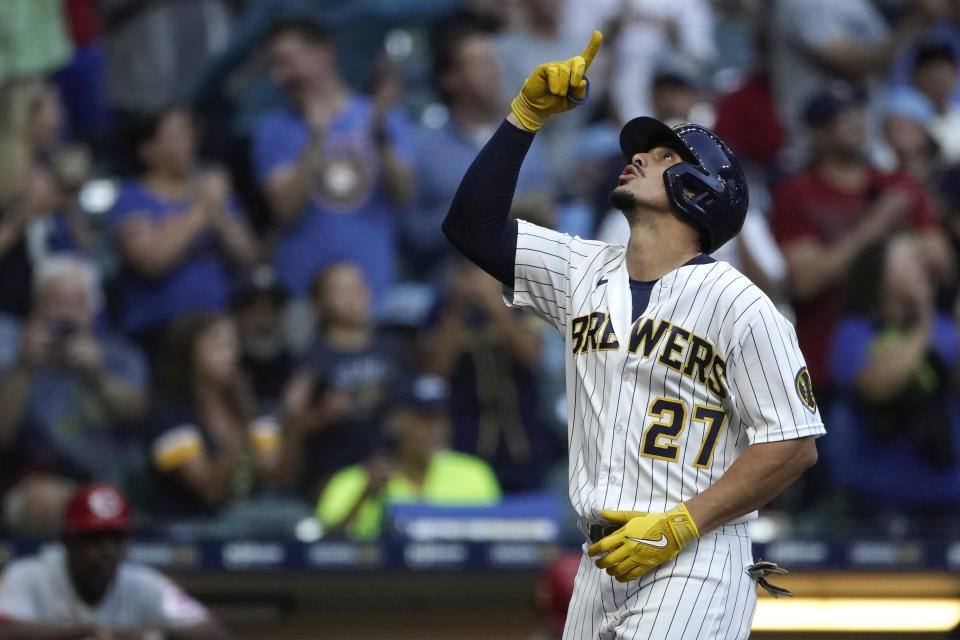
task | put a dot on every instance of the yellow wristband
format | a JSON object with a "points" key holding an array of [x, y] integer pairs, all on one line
{"points": [[682, 525]]}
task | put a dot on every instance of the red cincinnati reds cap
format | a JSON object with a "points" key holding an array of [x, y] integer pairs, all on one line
{"points": [[97, 507]]}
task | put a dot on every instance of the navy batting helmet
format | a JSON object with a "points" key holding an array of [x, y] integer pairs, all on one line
{"points": [[708, 189]]}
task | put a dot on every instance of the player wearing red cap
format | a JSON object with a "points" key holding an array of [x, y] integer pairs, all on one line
{"points": [[83, 588]]}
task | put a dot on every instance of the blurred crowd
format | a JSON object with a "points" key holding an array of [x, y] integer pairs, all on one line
{"points": [[225, 287]]}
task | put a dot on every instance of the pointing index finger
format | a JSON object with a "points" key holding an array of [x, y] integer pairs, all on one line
{"points": [[591, 49]]}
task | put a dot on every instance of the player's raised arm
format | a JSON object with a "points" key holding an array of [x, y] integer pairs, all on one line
{"points": [[478, 221]]}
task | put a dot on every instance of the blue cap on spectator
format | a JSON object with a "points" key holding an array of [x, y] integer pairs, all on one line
{"points": [[828, 103], [425, 393], [909, 103]]}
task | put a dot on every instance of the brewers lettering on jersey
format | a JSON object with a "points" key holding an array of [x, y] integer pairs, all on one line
{"points": [[688, 401]]}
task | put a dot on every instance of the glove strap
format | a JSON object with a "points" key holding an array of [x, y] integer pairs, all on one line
{"points": [[682, 525], [586, 93], [760, 569]]}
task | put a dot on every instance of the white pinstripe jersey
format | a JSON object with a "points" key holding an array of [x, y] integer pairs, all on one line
{"points": [[659, 408]]}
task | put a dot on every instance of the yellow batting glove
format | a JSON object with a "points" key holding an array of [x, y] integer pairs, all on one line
{"points": [[554, 87], [643, 542]]}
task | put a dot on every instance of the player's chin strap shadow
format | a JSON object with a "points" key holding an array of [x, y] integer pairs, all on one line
{"points": [[759, 571]]}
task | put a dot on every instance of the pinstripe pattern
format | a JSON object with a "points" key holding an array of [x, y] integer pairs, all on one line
{"points": [[704, 593], [610, 392], [614, 465]]}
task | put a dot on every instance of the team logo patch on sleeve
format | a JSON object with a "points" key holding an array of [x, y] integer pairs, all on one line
{"points": [[804, 386]]}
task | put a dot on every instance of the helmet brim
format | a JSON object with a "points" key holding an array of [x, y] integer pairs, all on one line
{"points": [[644, 133]]}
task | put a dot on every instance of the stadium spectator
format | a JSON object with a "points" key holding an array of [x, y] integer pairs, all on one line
{"points": [[491, 355], [68, 229], [816, 42], [747, 118], [540, 32], [70, 396], [27, 195], [645, 34], [935, 77], [83, 82], [597, 154], [946, 31], [894, 358], [359, 28], [156, 52], [908, 119], [258, 306], [677, 99], [468, 76], [333, 165], [337, 398], [737, 23], [206, 444], [33, 38], [31, 111], [84, 588], [907, 128], [421, 468], [824, 216], [38, 188], [177, 231]]}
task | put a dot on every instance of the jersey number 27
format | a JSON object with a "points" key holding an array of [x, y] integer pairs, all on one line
{"points": [[658, 439]]}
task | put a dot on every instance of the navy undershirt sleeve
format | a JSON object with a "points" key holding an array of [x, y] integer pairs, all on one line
{"points": [[478, 222]]}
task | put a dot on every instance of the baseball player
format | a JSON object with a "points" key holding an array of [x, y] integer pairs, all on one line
{"points": [[688, 400], [83, 589]]}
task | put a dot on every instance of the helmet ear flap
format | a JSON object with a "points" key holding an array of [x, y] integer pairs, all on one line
{"points": [[691, 189], [686, 189], [692, 198]]}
